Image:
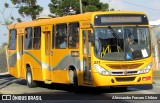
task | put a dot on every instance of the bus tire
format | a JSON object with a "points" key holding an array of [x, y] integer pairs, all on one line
{"points": [[29, 79], [75, 82], [71, 76]]}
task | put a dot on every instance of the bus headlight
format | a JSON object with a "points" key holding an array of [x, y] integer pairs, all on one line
{"points": [[146, 69], [101, 70]]}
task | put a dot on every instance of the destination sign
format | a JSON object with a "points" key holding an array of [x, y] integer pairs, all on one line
{"points": [[120, 20]]}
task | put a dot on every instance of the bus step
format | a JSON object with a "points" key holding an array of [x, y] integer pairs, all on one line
{"points": [[48, 82]]}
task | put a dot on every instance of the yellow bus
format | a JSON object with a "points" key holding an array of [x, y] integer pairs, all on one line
{"points": [[95, 49]]}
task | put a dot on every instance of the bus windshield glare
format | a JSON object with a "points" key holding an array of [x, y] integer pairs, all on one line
{"points": [[122, 43]]}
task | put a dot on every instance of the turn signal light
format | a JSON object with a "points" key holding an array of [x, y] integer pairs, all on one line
{"points": [[146, 78]]}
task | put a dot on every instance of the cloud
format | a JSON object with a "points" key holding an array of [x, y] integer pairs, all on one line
{"points": [[150, 7], [118, 5]]}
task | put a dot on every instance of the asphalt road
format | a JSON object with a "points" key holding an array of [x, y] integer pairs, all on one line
{"points": [[60, 93]]}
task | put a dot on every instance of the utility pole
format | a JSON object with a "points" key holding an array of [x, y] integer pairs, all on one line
{"points": [[80, 3]]}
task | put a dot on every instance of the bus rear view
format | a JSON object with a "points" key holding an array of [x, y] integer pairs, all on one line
{"points": [[122, 49]]}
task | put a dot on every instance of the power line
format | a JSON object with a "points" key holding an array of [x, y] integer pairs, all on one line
{"points": [[139, 5]]}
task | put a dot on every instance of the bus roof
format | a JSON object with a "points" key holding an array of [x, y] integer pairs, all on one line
{"points": [[71, 18]]}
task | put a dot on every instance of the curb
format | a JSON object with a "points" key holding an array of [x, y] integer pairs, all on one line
{"points": [[5, 75]]}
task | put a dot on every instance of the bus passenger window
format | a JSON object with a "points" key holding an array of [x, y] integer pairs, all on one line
{"points": [[61, 36], [64, 42], [73, 35], [36, 44], [12, 42], [28, 38], [37, 38]]}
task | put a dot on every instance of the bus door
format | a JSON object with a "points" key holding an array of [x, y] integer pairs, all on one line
{"points": [[47, 53], [20, 68], [87, 78]]}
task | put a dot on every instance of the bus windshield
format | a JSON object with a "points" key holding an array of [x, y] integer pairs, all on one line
{"points": [[122, 43]]}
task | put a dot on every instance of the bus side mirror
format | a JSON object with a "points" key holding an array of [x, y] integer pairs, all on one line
{"points": [[92, 35]]}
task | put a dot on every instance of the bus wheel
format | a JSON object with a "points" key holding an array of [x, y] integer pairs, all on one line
{"points": [[29, 79], [75, 83], [71, 76]]}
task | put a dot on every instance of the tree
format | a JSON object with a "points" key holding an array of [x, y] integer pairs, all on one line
{"points": [[69, 7], [6, 20], [28, 8], [4, 44]]}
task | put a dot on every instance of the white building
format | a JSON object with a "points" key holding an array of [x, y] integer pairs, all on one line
{"points": [[155, 30]]}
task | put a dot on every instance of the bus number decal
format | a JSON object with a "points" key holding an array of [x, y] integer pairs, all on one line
{"points": [[96, 62], [46, 28]]}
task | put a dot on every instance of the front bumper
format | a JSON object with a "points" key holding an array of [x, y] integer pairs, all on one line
{"points": [[125, 80]]}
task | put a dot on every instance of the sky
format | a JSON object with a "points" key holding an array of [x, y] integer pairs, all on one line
{"points": [[150, 7]]}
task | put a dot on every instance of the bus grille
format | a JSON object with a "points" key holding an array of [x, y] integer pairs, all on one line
{"points": [[124, 72], [124, 79], [124, 66]]}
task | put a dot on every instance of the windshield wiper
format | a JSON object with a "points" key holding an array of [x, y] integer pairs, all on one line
{"points": [[113, 32]]}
